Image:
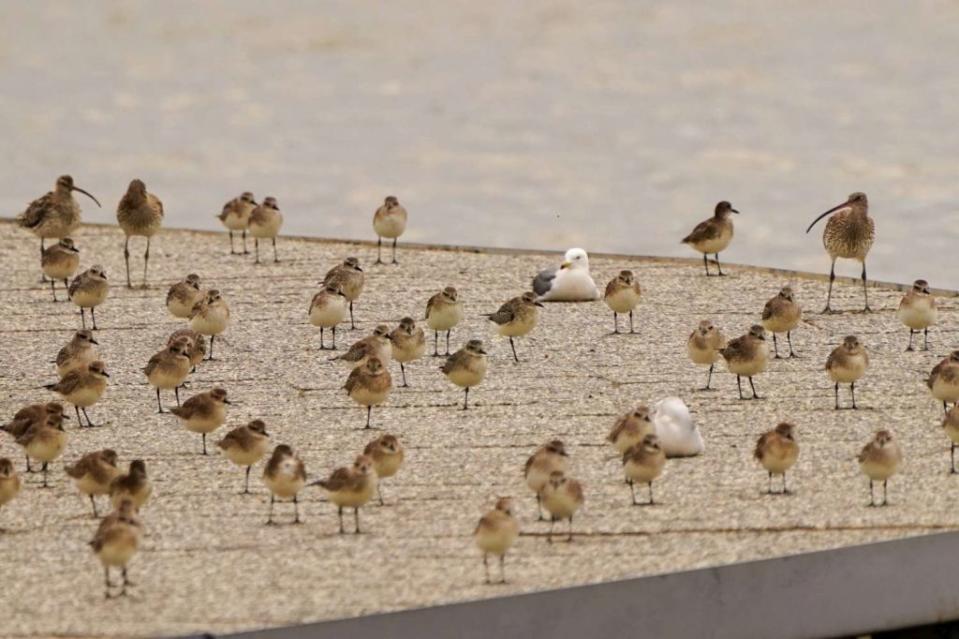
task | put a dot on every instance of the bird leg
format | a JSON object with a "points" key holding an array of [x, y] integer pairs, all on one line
{"points": [[570, 537], [29, 469], [837, 395], [952, 459], [296, 509], [776, 347], [93, 502], [486, 567], [650, 486], [911, 333], [379, 250], [246, 251], [448, 342], [43, 469], [865, 289], [90, 424], [885, 500], [53, 289], [925, 345], [232, 252], [706, 264], [739, 385], [176, 393], [352, 322], [436, 343], [872, 498], [751, 385], [93, 318], [276, 260], [789, 339], [246, 483], [322, 348], [43, 276], [339, 512], [539, 508], [852, 390], [159, 405], [369, 411], [203, 436], [394, 251], [631, 331], [615, 323], [403, 370], [769, 483], [356, 521], [719, 266], [210, 358], [632, 490], [709, 378], [502, 568], [83, 317], [379, 493], [552, 522], [513, 346], [256, 248], [269, 519], [126, 258], [785, 489], [333, 347], [146, 262], [832, 278], [466, 399]]}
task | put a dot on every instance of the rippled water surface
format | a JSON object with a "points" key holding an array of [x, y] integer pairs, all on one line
{"points": [[611, 125]]}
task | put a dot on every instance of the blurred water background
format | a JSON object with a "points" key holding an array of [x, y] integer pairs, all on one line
{"points": [[615, 126]]}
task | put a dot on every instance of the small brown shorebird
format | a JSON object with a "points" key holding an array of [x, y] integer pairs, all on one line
{"points": [[389, 221], [55, 214], [60, 262], [777, 450], [950, 425], [236, 217], [443, 312], [943, 381], [495, 534], [116, 542], [917, 310], [704, 346], [782, 315], [747, 356], [621, 296], [139, 213], [265, 223], [713, 235], [348, 277], [517, 317], [879, 460], [846, 364], [849, 234]]}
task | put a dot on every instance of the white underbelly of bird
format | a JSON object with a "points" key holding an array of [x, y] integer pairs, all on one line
{"points": [[390, 226], [918, 316], [571, 285], [463, 378]]}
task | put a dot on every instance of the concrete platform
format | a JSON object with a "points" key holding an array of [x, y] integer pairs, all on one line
{"points": [[208, 562]]}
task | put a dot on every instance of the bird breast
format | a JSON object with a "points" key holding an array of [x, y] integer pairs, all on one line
{"points": [[849, 235]]}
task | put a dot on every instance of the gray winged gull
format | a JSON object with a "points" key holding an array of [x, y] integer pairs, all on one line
{"points": [[571, 282]]}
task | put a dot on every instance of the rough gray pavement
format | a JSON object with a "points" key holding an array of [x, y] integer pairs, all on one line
{"points": [[209, 563]]}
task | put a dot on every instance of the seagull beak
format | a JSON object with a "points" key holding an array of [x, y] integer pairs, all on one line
{"points": [[77, 188], [565, 265], [832, 210]]}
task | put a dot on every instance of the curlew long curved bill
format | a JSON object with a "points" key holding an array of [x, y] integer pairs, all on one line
{"points": [[832, 210], [77, 188]]}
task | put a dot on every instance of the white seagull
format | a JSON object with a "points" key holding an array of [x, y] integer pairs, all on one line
{"points": [[571, 282], [678, 434]]}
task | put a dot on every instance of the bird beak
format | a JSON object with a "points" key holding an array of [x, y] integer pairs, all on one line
{"points": [[540, 304], [226, 401], [74, 249], [93, 341], [360, 269], [832, 210], [565, 265], [106, 374], [482, 352], [734, 211], [77, 188], [65, 416]]}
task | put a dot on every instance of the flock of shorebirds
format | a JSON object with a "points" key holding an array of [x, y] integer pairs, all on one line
{"points": [[39, 429]]}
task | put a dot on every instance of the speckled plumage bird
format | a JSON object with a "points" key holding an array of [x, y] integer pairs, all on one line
{"points": [[93, 473], [849, 235], [389, 221], [236, 217], [846, 364], [943, 381], [517, 317], [747, 356], [139, 213], [369, 385], [183, 296], [55, 214], [83, 387], [409, 344], [204, 412], [134, 485], [351, 487], [79, 352], [712, 236], [60, 262], [466, 368], [246, 445], [88, 290]]}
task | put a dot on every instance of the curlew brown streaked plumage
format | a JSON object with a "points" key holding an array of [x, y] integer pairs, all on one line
{"points": [[943, 381], [88, 290], [348, 277], [443, 312], [879, 460], [704, 346], [204, 412], [265, 223], [408, 343], [713, 235], [747, 356], [387, 454], [183, 296], [777, 450], [517, 317], [846, 364], [369, 385], [466, 368], [94, 473], [917, 310], [644, 463], [495, 534], [78, 353], [133, 485], [782, 315], [327, 309], [139, 213], [351, 487], [83, 387], [621, 296], [849, 234], [55, 214], [60, 262], [389, 221], [245, 446], [236, 217]]}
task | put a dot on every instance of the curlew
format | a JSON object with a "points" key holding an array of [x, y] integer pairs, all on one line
{"points": [[849, 235]]}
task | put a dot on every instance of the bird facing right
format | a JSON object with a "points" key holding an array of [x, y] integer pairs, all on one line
{"points": [[245, 446], [943, 381], [387, 454], [210, 316], [782, 315], [369, 385], [704, 347], [712, 236], [60, 262], [183, 296], [265, 223], [517, 317], [351, 487], [349, 278], [88, 290], [204, 412], [409, 344], [443, 312], [78, 353], [236, 217]]}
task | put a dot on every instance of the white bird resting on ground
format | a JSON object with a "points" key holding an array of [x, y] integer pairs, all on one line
{"points": [[571, 282], [677, 433]]}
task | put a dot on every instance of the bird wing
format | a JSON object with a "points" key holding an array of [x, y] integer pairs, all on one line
{"points": [[68, 384], [339, 480], [352, 380], [505, 314], [453, 361], [760, 444], [35, 211], [769, 309], [703, 231], [75, 285], [544, 281], [431, 303]]}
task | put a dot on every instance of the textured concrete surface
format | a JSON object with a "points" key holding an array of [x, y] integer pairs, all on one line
{"points": [[209, 563]]}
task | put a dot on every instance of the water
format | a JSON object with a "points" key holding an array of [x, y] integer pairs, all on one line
{"points": [[615, 126]]}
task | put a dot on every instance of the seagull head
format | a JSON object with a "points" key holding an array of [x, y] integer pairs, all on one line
{"points": [[575, 258]]}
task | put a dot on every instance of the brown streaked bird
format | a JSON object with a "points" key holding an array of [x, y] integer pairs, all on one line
{"points": [[917, 310], [849, 235], [943, 381], [782, 315], [622, 296], [183, 296], [443, 312], [139, 213], [55, 214], [265, 223], [196, 345], [116, 542], [879, 460], [210, 316], [93, 473], [777, 450], [466, 368], [349, 278], [549, 457], [747, 356], [83, 388], [133, 485], [369, 385], [327, 309], [245, 446], [351, 487], [562, 497], [284, 476], [846, 364], [236, 217], [44, 442], [60, 262], [376, 345], [88, 290], [630, 429], [704, 347], [9, 482], [387, 454], [950, 425], [204, 412], [517, 317], [389, 221], [78, 353], [713, 235], [29, 415], [644, 463], [168, 369], [409, 344], [495, 534]]}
